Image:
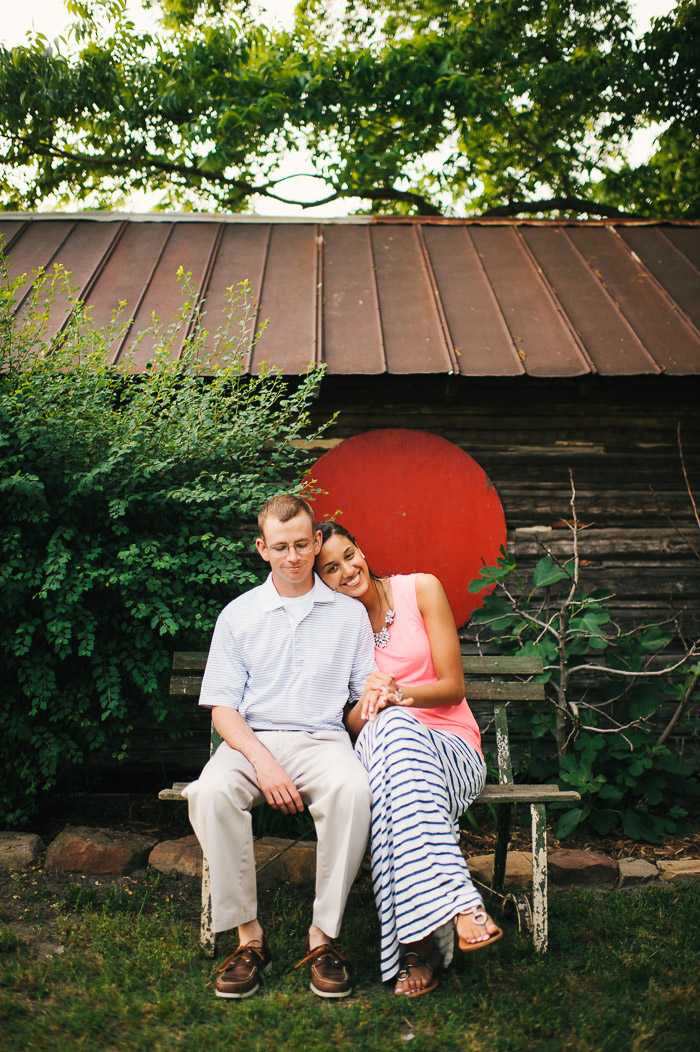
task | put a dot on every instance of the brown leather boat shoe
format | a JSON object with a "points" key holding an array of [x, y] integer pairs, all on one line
{"points": [[239, 975], [330, 974]]}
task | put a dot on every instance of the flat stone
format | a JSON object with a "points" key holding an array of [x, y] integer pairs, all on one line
{"points": [[581, 868], [635, 872], [682, 869], [80, 849], [183, 856], [19, 850], [518, 868], [296, 864]]}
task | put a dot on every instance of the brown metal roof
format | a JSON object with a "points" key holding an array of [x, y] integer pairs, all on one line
{"points": [[396, 295]]}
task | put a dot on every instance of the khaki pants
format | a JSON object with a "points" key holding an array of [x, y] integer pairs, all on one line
{"points": [[332, 783]]}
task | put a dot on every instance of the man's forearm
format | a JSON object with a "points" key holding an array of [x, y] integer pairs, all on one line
{"points": [[275, 784], [237, 733]]}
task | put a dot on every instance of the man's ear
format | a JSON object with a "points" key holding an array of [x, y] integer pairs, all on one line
{"points": [[260, 545], [318, 542]]}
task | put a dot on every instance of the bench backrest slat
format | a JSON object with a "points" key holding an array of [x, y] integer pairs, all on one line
{"points": [[502, 691], [510, 665], [190, 660], [190, 686]]}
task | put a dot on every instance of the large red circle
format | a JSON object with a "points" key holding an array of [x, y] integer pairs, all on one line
{"points": [[416, 503]]}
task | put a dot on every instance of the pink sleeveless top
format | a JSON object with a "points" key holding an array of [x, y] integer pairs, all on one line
{"points": [[407, 657]]}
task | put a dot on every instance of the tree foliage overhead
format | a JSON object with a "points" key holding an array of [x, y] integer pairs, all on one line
{"points": [[501, 107]]}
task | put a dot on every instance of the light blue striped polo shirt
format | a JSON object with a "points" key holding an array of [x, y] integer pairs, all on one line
{"points": [[281, 677]]}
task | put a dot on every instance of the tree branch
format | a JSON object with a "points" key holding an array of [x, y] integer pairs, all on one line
{"points": [[569, 204], [685, 476], [624, 672], [687, 695]]}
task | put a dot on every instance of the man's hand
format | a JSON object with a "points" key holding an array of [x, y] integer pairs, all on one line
{"points": [[277, 787], [274, 782]]}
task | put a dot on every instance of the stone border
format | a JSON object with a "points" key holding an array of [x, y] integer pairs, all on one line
{"points": [[94, 851]]}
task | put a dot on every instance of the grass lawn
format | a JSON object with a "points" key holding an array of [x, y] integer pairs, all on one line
{"points": [[123, 972]]}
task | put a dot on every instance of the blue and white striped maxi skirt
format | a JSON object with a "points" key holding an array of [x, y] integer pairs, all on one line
{"points": [[422, 780]]}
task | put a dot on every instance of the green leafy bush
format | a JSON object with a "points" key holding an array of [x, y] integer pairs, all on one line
{"points": [[127, 515], [607, 687]]}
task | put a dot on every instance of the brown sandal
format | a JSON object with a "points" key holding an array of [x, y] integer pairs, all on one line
{"points": [[480, 916], [417, 962]]}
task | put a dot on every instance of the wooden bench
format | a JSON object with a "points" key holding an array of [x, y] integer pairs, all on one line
{"points": [[499, 681]]}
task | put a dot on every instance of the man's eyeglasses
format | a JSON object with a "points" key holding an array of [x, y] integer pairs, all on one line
{"points": [[301, 548]]}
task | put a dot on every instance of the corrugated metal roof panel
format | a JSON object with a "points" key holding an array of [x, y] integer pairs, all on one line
{"points": [[480, 336], [34, 248], [544, 341], [126, 274], [80, 248], [610, 341], [352, 331], [397, 295], [413, 336], [666, 335], [288, 299], [671, 268], [188, 246], [687, 240], [240, 256], [9, 229]]}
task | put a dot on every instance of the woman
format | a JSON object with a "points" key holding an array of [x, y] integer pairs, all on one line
{"points": [[423, 755]]}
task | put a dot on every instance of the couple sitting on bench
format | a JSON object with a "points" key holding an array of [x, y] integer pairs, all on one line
{"points": [[298, 667]]}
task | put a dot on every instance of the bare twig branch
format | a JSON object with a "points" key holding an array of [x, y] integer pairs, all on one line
{"points": [[685, 701], [695, 649], [685, 476]]}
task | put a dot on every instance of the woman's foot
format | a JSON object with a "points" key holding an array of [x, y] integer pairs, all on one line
{"points": [[420, 962], [475, 929]]}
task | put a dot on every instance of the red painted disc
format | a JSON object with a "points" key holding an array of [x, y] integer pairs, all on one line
{"points": [[416, 503]]}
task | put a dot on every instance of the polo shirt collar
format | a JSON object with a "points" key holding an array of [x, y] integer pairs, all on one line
{"points": [[270, 599]]}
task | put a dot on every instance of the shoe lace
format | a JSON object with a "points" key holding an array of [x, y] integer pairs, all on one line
{"points": [[325, 950], [245, 953]]}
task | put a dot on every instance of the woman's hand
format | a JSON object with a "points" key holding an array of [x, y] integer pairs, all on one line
{"points": [[374, 700], [380, 681]]}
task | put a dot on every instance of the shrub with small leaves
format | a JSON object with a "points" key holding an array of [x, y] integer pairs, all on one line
{"points": [[127, 513]]}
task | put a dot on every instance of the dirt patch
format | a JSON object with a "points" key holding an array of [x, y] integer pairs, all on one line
{"points": [[616, 847], [33, 903]]}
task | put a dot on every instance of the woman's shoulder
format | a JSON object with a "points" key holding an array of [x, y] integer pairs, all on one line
{"points": [[426, 587], [427, 583], [429, 590]]}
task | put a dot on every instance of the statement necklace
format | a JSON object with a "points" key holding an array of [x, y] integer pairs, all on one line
{"points": [[381, 638]]}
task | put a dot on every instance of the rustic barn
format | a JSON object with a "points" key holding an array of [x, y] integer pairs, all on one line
{"points": [[545, 350]]}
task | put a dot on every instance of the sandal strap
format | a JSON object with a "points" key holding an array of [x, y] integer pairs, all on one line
{"points": [[417, 962], [480, 916]]}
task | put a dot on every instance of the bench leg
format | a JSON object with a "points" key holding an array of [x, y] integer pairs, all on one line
{"points": [[501, 853], [539, 876], [207, 935]]}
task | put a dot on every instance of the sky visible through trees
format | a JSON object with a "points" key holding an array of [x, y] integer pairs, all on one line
{"points": [[50, 18]]}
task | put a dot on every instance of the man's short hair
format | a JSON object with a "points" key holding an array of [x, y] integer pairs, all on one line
{"points": [[284, 506]]}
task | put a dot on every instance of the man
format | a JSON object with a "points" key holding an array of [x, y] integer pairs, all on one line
{"points": [[285, 659]]}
